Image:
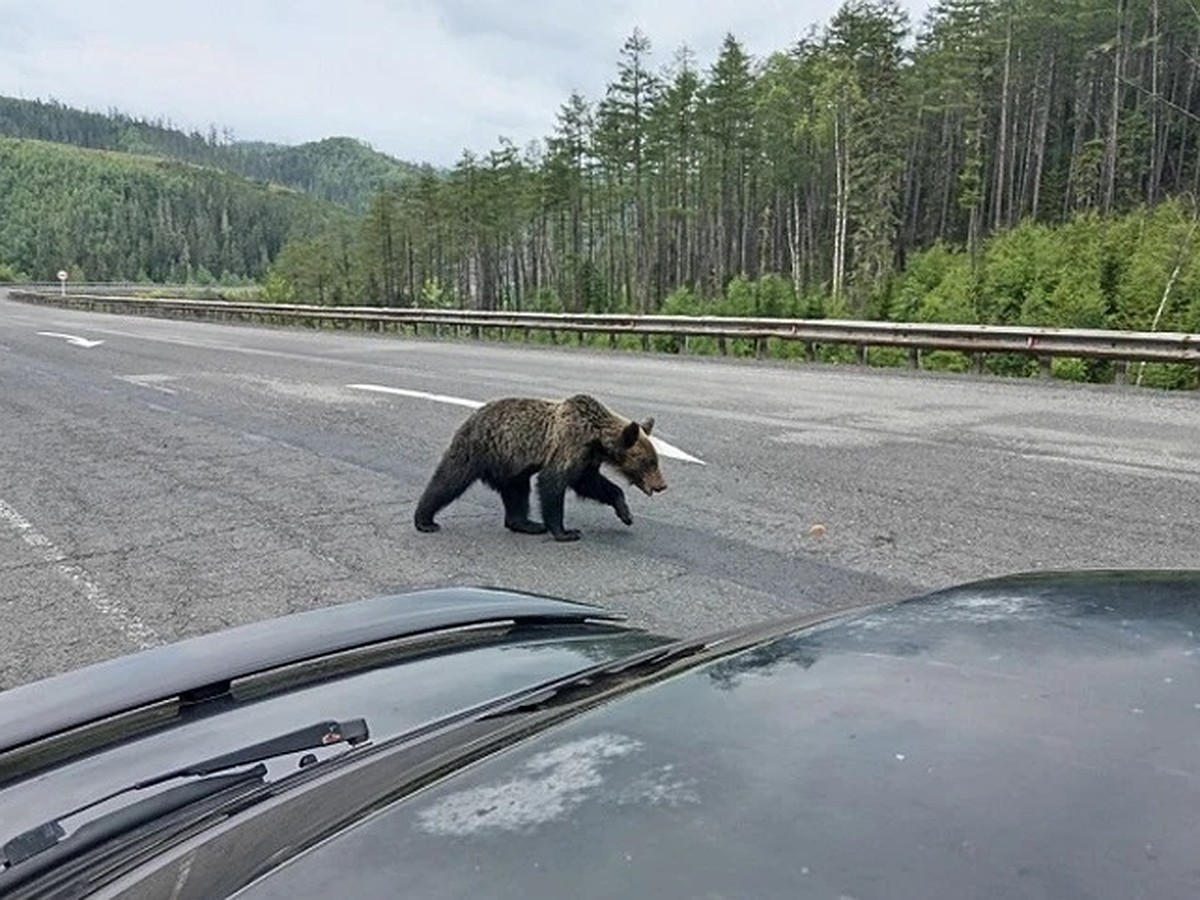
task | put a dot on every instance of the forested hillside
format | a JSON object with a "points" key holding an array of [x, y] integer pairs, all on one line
{"points": [[106, 216], [339, 169], [813, 179]]}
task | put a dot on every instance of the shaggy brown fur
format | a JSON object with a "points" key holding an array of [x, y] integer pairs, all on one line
{"points": [[505, 442]]}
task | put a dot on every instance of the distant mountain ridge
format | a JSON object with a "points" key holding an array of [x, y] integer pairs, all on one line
{"points": [[340, 170]]}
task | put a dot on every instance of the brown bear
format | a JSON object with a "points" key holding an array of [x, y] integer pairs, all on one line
{"points": [[506, 441]]}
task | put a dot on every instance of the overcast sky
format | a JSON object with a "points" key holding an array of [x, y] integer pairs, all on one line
{"points": [[419, 79]]}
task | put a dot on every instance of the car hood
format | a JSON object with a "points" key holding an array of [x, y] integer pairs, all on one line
{"points": [[399, 661], [1026, 737]]}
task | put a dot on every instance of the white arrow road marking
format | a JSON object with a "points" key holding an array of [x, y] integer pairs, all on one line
{"points": [[72, 339], [154, 382], [666, 449], [113, 610]]}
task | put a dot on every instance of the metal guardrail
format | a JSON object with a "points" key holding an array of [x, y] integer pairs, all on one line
{"points": [[115, 287], [132, 288], [1044, 344]]}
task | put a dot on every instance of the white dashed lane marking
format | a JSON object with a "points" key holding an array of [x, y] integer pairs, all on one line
{"points": [[420, 395], [664, 448], [115, 613], [154, 382]]}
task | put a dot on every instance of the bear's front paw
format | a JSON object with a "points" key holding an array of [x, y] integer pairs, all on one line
{"points": [[526, 526]]}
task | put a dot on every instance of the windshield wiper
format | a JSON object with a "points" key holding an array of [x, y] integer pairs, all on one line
{"points": [[47, 835], [629, 670]]}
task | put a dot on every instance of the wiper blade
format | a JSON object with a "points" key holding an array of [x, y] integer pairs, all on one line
{"points": [[632, 669], [50, 836], [321, 734]]}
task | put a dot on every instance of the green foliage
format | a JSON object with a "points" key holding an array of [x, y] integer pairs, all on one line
{"points": [[741, 298], [547, 301], [771, 296], [118, 217], [945, 361], [1091, 272], [434, 295], [925, 272], [1164, 375], [951, 299], [1150, 244], [681, 302], [887, 357], [277, 289], [775, 296], [1070, 369], [9, 274]]}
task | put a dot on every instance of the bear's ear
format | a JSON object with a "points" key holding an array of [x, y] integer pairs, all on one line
{"points": [[629, 434], [648, 425]]}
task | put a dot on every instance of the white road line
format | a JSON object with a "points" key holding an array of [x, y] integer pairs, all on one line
{"points": [[666, 449], [420, 395], [72, 339], [114, 611], [149, 381], [673, 452]]}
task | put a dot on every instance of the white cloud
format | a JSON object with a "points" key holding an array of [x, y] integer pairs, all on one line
{"points": [[420, 79]]}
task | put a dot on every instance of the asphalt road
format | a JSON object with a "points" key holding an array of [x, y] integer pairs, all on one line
{"points": [[181, 477]]}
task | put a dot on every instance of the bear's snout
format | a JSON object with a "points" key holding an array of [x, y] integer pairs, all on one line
{"points": [[649, 488]]}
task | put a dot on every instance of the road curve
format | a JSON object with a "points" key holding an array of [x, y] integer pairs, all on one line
{"points": [[163, 479]]}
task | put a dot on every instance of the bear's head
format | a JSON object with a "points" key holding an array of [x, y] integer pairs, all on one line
{"points": [[637, 459]]}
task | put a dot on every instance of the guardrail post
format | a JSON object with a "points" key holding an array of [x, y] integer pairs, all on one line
{"points": [[914, 357], [612, 340], [810, 351], [721, 346], [860, 354], [1121, 371], [1045, 364], [977, 363], [760, 348]]}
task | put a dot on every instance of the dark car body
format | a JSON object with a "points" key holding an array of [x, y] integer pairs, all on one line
{"points": [[1032, 736]]}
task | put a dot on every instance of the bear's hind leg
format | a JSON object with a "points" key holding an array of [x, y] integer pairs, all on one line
{"points": [[450, 480]]}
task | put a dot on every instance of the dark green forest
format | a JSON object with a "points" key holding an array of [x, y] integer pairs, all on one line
{"points": [[115, 216], [1000, 161], [341, 170]]}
